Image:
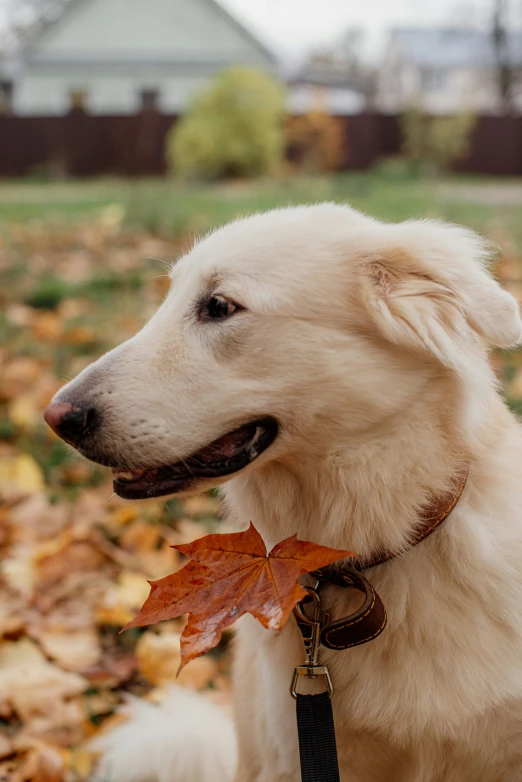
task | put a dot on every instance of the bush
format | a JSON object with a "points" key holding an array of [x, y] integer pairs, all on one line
{"points": [[49, 292], [432, 143], [316, 141], [233, 128]]}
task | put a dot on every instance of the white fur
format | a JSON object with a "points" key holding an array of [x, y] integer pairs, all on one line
{"points": [[185, 738], [368, 342]]}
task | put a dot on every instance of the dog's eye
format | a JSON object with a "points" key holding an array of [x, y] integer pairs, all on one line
{"points": [[218, 308]]}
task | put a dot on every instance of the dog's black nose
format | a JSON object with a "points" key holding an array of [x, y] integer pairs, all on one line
{"points": [[70, 423]]}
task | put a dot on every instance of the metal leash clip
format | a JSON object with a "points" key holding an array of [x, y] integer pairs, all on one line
{"points": [[311, 631]]}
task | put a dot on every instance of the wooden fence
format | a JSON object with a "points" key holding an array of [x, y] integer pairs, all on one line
{"points": [[84, 145]]}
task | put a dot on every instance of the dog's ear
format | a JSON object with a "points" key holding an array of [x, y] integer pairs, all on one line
{"points": [[435, 295]]}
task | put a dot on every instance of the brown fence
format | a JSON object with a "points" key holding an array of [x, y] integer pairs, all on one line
{"points": [[83, 145]]}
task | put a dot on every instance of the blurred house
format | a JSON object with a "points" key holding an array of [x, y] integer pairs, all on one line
{"points": [[446, 70], [119, 56], [327, 86], [335, 80]]}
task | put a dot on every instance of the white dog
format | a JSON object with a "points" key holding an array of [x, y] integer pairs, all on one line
{"points": [[336, 369]]}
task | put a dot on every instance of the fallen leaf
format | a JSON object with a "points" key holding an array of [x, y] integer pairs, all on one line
{"points": [[158, 657], [6, 747], [77, 473], [231, 575], [78, 556], [47, 327], [73, 650], [19, 573], [20, 315], [515, 387], [35, 519], [11, 613], [23, 412], [198, 675], [20, 475], [112, 672], [18, 376], [201, 505], [80, 335], [7, 769], [122, 599], [43, 764], [79, 760], [125, 514], [31, 686]]}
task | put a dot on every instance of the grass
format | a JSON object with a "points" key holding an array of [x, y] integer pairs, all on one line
{"points": [[166, 207]]}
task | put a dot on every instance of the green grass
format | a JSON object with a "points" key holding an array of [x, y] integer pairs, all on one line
{"points": [[170, 208]]}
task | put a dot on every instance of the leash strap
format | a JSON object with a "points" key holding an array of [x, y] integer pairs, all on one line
{"points": [[317, 747]]}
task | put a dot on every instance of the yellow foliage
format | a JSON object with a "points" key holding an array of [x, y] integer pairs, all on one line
{"points": [[233, 128], [122, 601], [23, 412], [317, 141], [436, 141], [159, 660], [20, 474]]}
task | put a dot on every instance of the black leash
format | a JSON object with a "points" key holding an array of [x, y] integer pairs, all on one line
{"points": [[317, 747]]}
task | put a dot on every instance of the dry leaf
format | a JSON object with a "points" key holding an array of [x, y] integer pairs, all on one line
{"points": [[20, 475], [44, 764], [30, 685], [112, 673], [159, 657], [78, 760], [122, 599], [73, 650], [231, 575], [18, 376], [47, 327], [199, 673], [23, 412], [6, 747], [201, 505], [515, 387]]}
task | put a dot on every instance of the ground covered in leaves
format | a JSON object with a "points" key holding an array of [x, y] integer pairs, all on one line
{"points": [[74, 559]]}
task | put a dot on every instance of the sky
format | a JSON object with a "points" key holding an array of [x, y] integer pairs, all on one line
{"points": [[294, 27]]}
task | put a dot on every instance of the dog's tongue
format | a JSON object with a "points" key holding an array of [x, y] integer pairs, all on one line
{"points": [[226, 446]]}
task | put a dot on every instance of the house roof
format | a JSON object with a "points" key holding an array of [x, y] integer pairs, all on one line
{"points": [[325, 76], [72, 5], [447, 47]]}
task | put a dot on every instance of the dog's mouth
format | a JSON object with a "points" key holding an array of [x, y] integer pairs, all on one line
{"points": [[225, 456]]}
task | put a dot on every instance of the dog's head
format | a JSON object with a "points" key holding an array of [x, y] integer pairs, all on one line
{"points": [[285, 332]]}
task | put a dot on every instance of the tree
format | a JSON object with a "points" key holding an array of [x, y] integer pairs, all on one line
{"points": [[233, 128], [433, 143], [26, 17]]}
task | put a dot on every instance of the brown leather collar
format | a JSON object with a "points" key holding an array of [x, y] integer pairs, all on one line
{"points": [[430, 519], [370, 619]]}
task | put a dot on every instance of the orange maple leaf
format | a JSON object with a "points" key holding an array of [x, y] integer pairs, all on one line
{"points": [[231, 575]]}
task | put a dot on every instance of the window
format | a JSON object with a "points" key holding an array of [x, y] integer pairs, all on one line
{"points": [[433, 78]]}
